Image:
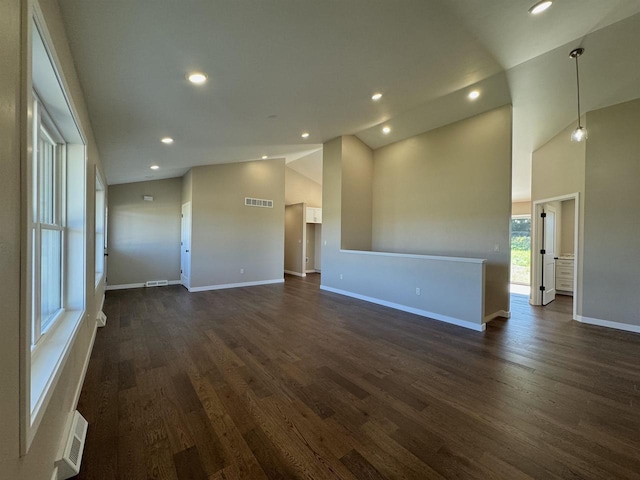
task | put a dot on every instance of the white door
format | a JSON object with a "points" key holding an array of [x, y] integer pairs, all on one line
{"points": [[549, 255], [185, 245]]}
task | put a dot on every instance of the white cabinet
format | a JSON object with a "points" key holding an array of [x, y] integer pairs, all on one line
{"points": [[564, 274], [314, 215]]}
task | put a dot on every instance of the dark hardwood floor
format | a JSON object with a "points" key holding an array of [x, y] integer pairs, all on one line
{"points": [[286, 381]]}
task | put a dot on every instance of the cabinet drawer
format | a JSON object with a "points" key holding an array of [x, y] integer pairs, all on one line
{"points": [[565, 285], [564, 272], [564, 263]]}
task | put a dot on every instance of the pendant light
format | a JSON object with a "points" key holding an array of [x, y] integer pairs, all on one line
{"points": [[580, 133]]}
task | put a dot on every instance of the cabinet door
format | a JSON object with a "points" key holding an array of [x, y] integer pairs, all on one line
{"points": [[318, 216], [310, 212]]}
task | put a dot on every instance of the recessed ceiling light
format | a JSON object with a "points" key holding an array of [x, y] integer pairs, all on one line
{"points": [[376, 96], [305, 135], [264, 157], [386, 130], [197, 78], [540, 7], [167, 140], [473, 94], [154, 167]]}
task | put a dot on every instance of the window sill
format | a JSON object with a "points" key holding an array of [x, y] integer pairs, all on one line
{"points": [[47, 363]]}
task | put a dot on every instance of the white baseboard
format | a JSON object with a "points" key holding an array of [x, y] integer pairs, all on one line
{"points": [[311, 271], [297, 274], [499, 313], [124, 286], [609, 324], [235, 285], [76, 395], [479, 327], [137, 285]]}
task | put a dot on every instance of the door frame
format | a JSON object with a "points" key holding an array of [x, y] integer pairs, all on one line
{"points": [[535, 297], [186, 283]]}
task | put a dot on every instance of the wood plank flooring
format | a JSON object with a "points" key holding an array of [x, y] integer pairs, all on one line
{"points": [[288, 382]]}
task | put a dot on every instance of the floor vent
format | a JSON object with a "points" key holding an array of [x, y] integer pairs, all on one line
{"points": [[69, 464], [157, 283], [258, 202], [101, 319]]}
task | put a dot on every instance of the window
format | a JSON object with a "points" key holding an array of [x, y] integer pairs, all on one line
{"points": [[100, 228], [521, 249], [54, 236], [47, 226]]}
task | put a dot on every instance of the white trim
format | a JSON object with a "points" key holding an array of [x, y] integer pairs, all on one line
{"points": [[479, 327], [76, 396], [609, 324], [102, 303], [310, 271], [125, 286], [235, 285], [297, 274], [415, 255], [47, 365], [499, 313]]}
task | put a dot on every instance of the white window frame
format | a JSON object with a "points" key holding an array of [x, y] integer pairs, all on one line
{"points": [[44, 353], [101, 228], [43, 126]]}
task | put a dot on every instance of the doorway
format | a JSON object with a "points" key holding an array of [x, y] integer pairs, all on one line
{"points": [[554, 259]]}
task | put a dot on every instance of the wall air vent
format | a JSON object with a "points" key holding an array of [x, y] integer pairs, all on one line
{"points": [[156, 283], [69, 464], [258, 202]]}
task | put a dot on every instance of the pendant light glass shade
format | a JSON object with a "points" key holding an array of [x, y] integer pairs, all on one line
{"points": [[580, 134]]}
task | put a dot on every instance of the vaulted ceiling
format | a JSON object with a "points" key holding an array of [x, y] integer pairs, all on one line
{"points": [[278, 68]]}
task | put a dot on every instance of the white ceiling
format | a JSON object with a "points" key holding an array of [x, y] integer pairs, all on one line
{"points": [[314, 65]]}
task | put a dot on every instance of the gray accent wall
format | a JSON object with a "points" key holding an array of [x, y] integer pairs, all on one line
{"points": [[612, 215], [445, 192], [226, 235], [144, 237], [448, 192], [357, 194]]}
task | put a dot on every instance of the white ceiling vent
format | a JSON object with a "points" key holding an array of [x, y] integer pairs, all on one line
{"points": [[258, 202], [69, 464]]}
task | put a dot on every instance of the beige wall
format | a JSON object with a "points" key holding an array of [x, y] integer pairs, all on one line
{"points": [[357, 188], [435, 194], [294, 238], [144, 237], [567, 230], [299, 189], [612, 215], [15, 24], [311, 247], [521, 208], [226, 235]]}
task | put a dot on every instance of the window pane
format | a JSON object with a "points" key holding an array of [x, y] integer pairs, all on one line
{"points": [[51, 275], [48, 179], [520, 250]]}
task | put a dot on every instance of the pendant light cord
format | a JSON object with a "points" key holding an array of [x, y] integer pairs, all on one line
{"points": [[578, 84]]}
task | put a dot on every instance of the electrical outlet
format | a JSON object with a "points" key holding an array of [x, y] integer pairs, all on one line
{"points": [[418, 292], [242, 271], [496, 247], [325, 243], [340, 276]]}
